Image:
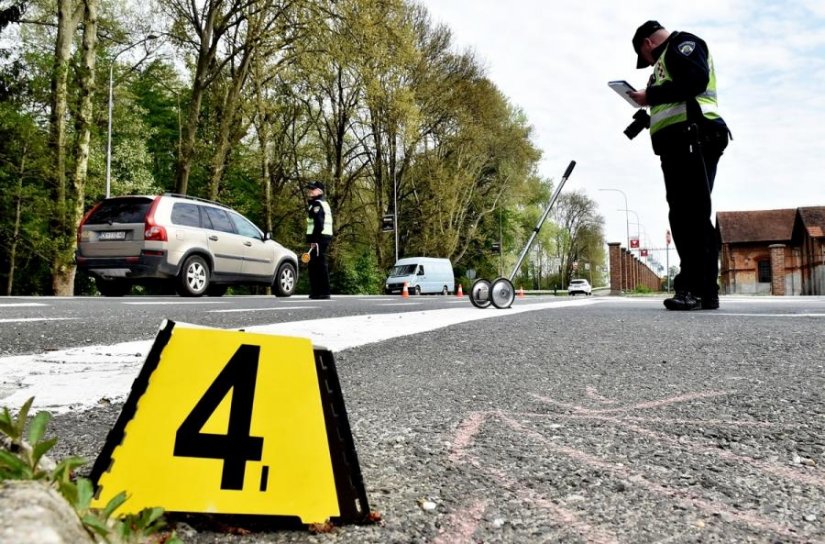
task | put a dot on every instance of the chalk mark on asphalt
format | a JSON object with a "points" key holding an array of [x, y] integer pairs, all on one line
{"points": [[521, 423]]}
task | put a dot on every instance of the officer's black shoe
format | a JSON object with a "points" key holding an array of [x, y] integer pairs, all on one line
{"points": [[710, 303], [683, 301]]}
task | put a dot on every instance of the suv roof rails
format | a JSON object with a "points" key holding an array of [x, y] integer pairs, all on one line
{"points": [[189, 197]]}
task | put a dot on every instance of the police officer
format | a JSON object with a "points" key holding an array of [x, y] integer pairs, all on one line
{"points": [[689, 136], [319, 234]]}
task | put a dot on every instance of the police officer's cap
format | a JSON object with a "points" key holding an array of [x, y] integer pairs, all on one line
{"points": [[315, 185], [644, 31]]}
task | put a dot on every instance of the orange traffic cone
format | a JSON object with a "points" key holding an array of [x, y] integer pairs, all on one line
{"points": [[405, 292], [520, 292], [460, 292]]}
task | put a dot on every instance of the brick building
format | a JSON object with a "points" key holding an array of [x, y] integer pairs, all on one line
{"points": [[778, 252]]}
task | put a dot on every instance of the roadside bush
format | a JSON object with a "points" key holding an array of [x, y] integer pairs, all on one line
{"points": [[357, 276]]}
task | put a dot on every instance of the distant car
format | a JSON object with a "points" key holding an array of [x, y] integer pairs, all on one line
{"points": [[579, 287], [199, 246]]}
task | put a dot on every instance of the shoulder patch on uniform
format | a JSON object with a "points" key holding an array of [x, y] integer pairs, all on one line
{"points": [[686, 48], [316, 209]]}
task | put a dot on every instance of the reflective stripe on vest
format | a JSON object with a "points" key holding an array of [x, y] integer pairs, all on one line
{"points": [[664, 115], [327, 218]]}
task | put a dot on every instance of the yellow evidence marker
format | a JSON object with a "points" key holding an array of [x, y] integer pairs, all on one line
{"points": [[229, 422]]}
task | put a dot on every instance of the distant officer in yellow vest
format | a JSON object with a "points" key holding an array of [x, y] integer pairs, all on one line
{"points": [[319, 235], [689, 136]]}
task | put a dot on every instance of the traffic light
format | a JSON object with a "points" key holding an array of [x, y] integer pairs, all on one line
{"points": [[387, 223]]}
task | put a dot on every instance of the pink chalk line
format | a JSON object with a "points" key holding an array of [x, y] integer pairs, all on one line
{"points": [[639, 406], [461, 525], [683, 497]]}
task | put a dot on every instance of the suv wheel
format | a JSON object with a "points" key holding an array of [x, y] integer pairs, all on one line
{"points": [[193, 280], [113, 288], [285, 280]]}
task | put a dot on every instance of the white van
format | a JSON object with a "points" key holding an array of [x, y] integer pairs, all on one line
{"points": [[422, 275]]}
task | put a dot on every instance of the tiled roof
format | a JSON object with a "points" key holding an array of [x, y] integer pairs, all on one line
{"points": [[813, 219], [756, 226]]}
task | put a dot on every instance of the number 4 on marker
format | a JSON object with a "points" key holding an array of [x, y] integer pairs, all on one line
{"points": [[235, 447]]}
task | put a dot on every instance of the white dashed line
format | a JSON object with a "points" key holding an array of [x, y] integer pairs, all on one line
{"points": [[238, 310]]}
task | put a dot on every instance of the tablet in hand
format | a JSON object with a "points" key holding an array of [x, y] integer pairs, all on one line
{"points": [[623, 88]]}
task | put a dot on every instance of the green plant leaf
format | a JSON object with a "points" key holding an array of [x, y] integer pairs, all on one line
{"points": [[96, 524], [5, 422], [40, 449], [38, 427], [22, 416], [17, 465], [114, 504], [85, 492], [69, 492], [62, 472]]}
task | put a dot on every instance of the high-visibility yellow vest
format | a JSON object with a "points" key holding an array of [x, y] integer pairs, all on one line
{"points": [[327, 218], [664, 115]]}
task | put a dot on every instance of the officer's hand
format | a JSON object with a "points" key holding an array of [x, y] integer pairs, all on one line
{"points": [[640, 97]]}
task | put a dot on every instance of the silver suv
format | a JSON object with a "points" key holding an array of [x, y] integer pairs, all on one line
{"points": [[201, 246]]}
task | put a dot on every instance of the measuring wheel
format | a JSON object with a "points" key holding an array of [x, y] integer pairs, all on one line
{"points": [[480, 294], [502, 293]]}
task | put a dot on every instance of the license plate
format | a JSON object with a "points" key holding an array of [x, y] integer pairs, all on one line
{"points": [[112, 235]]}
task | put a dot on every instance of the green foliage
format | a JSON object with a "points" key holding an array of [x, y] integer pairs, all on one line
{"points": [[642, 289], [21, 459], [360, 275], [370, 97]]}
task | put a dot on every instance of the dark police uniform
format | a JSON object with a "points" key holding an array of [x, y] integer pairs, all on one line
{"points": [[319, 231], [689, 136]]}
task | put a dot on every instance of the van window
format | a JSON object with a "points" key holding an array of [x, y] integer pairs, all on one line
{"points": [[403, 270], [120, 210], [421, 271], [185, 214]]}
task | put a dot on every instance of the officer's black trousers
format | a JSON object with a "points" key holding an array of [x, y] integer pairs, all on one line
{"points": [[689, 178], [318, 272]]}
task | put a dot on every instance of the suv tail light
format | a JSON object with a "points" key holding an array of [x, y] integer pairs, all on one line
{"points": [[86, 218], [151, 230]]}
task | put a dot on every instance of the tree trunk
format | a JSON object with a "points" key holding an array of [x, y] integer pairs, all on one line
{"points": [[18, 208], [232, 100], [60, 229], [64, 283]]}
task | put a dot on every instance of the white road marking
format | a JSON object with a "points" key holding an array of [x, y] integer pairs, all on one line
{"points": [[402, 304], [239, 310], [175, 303], [762, 315], [27, 319], [21, 305], [77, 378]]}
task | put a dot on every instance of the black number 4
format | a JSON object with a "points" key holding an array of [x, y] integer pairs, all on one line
{"points": [[235, 447]]}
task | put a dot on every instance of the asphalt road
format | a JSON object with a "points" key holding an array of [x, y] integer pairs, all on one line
{"points": [[605, 420]]}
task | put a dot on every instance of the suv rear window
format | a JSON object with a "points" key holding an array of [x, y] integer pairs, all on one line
{"points": [[120, 210]]}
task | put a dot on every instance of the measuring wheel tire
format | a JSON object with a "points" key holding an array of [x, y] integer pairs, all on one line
{"points": [[502, 293], [480, 294]]}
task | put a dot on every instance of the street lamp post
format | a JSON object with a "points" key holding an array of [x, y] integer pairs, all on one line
{"points": [[111, 96], [638, 225], [626, 217]]}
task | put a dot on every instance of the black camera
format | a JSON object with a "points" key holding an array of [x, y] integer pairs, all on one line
{"points": [[641, 121]]}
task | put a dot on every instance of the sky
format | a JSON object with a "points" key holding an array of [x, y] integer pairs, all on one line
{"points": [[554, 59]]}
